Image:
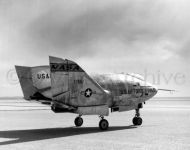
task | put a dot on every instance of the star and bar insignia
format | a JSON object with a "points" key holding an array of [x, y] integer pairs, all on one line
{"points": [[88, 92]]}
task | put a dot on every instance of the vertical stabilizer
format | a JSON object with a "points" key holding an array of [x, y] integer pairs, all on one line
{"points": [[72, 86], [25, 78]]}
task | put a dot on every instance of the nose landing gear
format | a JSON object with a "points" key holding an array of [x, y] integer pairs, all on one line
{"points": [[137, 120]]}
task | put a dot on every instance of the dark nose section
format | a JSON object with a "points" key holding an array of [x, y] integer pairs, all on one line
{"points": [[155, 90]]}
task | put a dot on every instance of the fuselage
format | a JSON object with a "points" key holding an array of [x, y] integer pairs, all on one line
{"points": [[123, 89], [126, 88]]}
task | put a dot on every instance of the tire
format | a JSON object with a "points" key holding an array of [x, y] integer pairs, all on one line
{"points": [[78, 121], [137, 121], [103, 124]]}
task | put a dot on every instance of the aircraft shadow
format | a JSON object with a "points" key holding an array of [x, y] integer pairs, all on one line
{"points": [[49, 133]]}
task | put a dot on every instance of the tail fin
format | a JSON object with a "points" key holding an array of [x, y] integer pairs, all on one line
{"points": [[35, 82], [25, 77], [72, 86]]}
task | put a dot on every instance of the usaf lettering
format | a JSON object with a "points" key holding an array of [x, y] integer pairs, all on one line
{"points": [[43, 76]]}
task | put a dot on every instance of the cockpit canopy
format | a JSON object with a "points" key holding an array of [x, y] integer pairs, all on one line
{"points": [[138, 76]]}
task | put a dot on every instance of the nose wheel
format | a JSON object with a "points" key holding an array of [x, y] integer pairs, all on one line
{"points": [[78, 121], [137, 120]]}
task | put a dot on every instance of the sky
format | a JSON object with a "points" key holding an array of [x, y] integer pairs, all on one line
{"points": [[151, 38]]}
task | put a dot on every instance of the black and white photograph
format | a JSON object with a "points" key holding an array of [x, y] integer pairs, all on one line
{"points": [[94, 75]]}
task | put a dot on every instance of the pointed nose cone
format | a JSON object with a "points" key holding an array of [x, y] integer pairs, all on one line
{"points": [[155, 90]]}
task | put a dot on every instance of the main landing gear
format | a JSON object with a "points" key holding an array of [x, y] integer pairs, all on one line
{"points": [[103, 124], [78, 121], [137, 120]]}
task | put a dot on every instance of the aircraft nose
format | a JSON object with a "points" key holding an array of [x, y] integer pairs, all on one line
{"points": [[155, 90], [151, 89]]}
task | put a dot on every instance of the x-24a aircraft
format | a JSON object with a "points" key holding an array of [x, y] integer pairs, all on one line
{"points": [[69, 88]]}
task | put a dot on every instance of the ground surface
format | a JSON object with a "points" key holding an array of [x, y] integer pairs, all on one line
{"points": [[32, 126]]}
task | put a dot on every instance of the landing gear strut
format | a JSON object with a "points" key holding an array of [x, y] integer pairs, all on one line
{"points": [[103, 124], [137, 120], [78, 121]]}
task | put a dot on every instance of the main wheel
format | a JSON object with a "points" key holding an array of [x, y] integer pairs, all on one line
{"points": [[137, 121], [103, 124], [78, 121]]}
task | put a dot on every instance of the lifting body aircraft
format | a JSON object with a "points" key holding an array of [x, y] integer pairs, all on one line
{"points": [[68, 88]]}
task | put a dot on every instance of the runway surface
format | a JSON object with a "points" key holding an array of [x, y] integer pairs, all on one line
{"points": [[33, 126]]}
